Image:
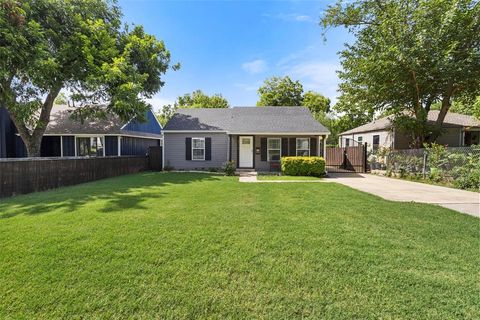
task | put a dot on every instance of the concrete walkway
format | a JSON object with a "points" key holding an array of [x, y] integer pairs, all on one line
{"points": [[400, 190]]}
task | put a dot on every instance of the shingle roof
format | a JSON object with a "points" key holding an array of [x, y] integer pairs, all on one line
{"points": [[61, 124], [246, 120], [451, 120]]}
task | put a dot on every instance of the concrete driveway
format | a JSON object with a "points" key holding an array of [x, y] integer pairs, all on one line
{"points": [[401, 190]]}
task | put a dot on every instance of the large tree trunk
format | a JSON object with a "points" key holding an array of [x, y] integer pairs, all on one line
{"points": [[33, 146], [33, 138], [446, 104]]}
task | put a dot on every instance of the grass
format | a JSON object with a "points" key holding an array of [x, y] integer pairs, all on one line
{"points": [[184, 245], [268, 177]]}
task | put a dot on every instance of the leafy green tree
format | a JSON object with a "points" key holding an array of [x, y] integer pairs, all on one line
{"points": [[409, 54], [316, 102], [471, 109], [165, 114], [81, 48], [61, 99], [198, 99], [278, 91]]}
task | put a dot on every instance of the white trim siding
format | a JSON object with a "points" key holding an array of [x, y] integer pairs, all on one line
{"points": [[61, 146], [119, 146]]}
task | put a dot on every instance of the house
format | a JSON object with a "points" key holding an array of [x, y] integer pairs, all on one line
{"points": [[458, 130], [65, 137], [252, 137]]}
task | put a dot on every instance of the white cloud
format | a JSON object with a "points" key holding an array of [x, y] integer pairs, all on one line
{"points": [[158, 102], [249, 86], [298, 17], [317, 76], [255, 66]]}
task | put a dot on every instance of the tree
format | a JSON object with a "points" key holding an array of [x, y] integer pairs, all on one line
{"points": [[462, 108], [79, 47], [409, 54], [196, 99], [278, 91], [165, 114], [316, 102]]}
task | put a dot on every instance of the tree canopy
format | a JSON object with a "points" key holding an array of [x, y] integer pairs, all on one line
{"points": [[316, 102], [196, 99], [278, 91], [81, 48], [408, 55]]}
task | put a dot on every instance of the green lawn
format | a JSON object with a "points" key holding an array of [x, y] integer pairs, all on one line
{"points": [[182, 245], [278, 177]]}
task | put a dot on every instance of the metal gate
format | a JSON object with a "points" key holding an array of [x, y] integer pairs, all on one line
{"points": [[346, 159], [155, 158]]}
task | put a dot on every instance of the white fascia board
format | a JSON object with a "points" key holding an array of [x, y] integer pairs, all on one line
{"points": [[102, 134], [194, 131], [281, 133]]}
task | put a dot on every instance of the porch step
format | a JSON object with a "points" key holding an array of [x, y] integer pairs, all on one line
{"points": [[246, 172]]}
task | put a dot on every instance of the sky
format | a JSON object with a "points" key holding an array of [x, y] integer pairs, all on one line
{"points": [[231, 47]]}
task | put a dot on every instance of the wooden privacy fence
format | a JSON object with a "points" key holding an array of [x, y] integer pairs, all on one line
{"points": [[347, 159], [155, 158], [18, 176]]}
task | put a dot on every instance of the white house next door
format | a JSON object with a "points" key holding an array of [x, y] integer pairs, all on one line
{"points": [[246, 151]]}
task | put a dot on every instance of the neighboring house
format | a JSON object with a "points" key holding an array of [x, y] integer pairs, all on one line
{"points": [[458, 130], [253, 137], [65, 137]]}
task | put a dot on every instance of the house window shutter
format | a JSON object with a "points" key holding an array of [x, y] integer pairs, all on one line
{"points": [[292, 150], [313, 147], [188, 148], [208, 149], [263, 147], [284, 147]]}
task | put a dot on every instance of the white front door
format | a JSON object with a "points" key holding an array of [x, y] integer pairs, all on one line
{"points": [[246, 152]]}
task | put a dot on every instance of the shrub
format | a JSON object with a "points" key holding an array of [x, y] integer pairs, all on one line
{"points": [[229, 168], [303, 166]]}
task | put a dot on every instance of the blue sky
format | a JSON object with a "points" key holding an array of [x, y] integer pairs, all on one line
{"points": [[230, 47]]}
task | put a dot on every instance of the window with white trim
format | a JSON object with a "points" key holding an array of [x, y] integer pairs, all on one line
{"points": [[90, 146], [303, 147], [198, 148], [274, 149]]}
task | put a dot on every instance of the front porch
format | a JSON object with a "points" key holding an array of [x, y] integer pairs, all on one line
{"points": [[263, 152]]}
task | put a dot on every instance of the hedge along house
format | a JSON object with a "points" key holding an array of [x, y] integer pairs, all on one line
{"points": [[252, 137], [65, 137], [458, 130]]}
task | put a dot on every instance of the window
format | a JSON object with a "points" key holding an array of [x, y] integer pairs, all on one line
{"points": [[198, 148], [347, 142], [360, 139], [273, 149], [303, 147], [90, 146], [376, 142]]}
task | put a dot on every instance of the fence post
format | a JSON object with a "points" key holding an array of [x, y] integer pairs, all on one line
{"points": [[365, 160], [424, 169]]}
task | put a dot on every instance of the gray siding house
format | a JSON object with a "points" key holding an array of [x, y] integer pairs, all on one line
{"points": [[459, 130], [252, 137]]}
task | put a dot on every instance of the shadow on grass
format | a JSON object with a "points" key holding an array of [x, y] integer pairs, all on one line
{"points": [[119, 193]]}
